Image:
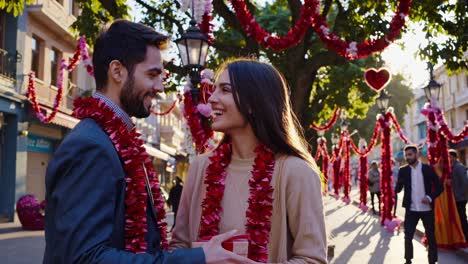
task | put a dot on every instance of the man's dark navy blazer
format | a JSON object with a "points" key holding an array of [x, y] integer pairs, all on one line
{"points": [[85, 211]]}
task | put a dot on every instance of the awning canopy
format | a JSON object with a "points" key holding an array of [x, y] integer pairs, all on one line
{"points": [[63, 119]]}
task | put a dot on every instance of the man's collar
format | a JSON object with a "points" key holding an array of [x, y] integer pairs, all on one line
{"points": [[117, 110]]}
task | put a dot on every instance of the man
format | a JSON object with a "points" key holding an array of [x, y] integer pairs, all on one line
{"points": [[459, 184], [374, 184], [422, 186], [100, 185], [174, 198]]}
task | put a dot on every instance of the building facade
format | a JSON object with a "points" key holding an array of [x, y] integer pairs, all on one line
{"points": [[453, 100]]}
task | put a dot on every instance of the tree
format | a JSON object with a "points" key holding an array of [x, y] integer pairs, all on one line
{"points": [[15, 6], [319, 79]]}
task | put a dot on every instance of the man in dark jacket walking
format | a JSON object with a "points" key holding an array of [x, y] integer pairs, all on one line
{"points": [[459, 184], [422, 186]]}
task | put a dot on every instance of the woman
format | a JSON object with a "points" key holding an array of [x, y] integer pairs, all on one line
{"points": [[260, 180], [374, 184]]}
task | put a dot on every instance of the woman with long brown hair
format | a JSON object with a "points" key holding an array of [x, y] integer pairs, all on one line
{"points": [[261, 179]]}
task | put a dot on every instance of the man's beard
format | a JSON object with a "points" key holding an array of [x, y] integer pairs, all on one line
{"points": [[411, 161], [130, 100]]}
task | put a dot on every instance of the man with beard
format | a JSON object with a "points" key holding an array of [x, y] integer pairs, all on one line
{"points": [[422, 186], [103, 200]]}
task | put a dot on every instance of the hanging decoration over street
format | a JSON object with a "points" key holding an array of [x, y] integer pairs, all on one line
{"points": [[330, 123], [310, 15], [377, 79], [363, 179], [323, 152]]}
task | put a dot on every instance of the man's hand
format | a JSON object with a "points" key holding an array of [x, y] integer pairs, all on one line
{"points": [[215, 253], [426, 200]]}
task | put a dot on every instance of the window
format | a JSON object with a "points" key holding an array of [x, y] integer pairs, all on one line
{"points": [[59, 1], [466, 116], [452, 119], [35, 56], [422, 130], [421, 103], [74, 8], [54, 62]]}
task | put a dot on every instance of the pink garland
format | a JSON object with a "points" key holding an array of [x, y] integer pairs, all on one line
{"points": [[80, 51], [30, 212], [400, 132], [330, 123]]}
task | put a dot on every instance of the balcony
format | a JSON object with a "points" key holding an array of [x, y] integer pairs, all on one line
{"points": [[54, 15], [7, 65], [46, 95]]}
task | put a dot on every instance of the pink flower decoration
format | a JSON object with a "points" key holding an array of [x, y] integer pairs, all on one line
{"points": [[204, 109]]}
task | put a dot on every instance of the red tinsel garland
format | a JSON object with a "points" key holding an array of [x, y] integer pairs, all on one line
{"points": [[260, 208], [330, 123], [353, 50], [173, 105], [336, 161], [373, 141], [387, 196], [131, 151], [363, 183], [267, 40], [399, 131], [346, 174], [310, 15]]}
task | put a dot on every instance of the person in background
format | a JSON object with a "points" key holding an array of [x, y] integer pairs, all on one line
{"points": [[422, 186], [459, 183], [374, 184], [174, 197]]}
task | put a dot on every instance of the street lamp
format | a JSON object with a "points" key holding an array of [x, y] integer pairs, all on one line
{"points": [[193, 49], [320, 133], [432, 90], [383, 100]]}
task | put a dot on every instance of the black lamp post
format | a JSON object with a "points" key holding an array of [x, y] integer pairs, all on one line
{"points": [[335, 139], [432, 89], [193, 49], [383, 100]]}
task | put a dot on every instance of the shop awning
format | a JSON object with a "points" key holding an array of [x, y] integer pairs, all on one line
{"points": [[152, 151]]}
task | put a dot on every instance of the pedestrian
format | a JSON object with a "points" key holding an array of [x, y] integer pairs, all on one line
{"points": [[261, 179], [422, 186], [103, 202], [459, 183], [374, 184], [174, 198]]}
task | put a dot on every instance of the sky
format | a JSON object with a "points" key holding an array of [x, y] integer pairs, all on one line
{"points": [[397, 58]]}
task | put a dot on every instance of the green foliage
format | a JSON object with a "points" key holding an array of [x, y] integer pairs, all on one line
{"points": [[94, 16], [15, 6]]}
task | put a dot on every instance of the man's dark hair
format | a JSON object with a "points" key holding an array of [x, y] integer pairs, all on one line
{"points": [[453, 153], [412, 147], [126, 42]]}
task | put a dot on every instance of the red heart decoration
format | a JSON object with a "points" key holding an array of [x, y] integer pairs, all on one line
{"points": [[377, 79]]}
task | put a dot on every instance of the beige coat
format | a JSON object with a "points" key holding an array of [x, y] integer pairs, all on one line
{"points": [[298, 228]]}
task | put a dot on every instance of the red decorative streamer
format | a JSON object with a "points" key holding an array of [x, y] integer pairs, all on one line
{"points": [[366, 151], [258, 215], [363, 183], [336, 161], [346, 169], [173, 105], [310, 15], [322, 152], [330, 123], [387, 196]]}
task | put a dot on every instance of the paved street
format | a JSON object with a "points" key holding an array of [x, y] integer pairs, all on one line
{"points": [[358, 238]]}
